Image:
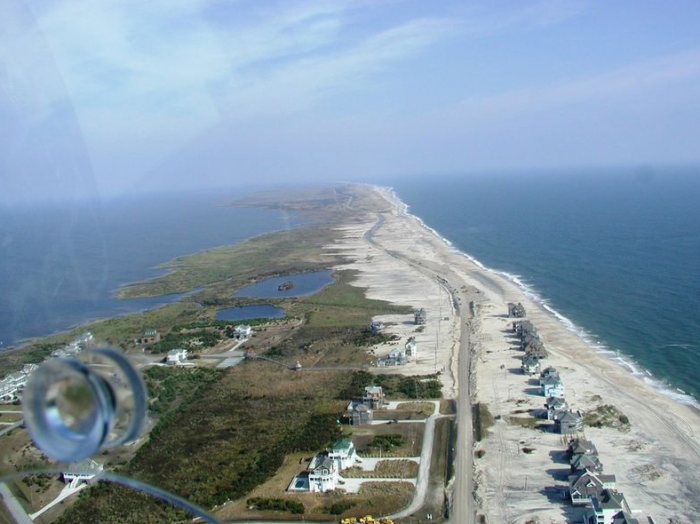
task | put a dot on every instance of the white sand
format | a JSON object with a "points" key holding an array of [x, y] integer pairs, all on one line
{"points": [[657, 462]]}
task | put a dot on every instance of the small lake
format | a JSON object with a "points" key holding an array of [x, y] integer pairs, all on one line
{"points": [[247, 312], [304, 284]]}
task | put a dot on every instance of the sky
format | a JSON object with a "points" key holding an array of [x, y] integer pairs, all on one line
{"points": [[114, 97]]}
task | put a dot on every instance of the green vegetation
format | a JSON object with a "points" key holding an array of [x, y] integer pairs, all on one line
{"points": [[606, 416], [482, 420], [193, 340], [385, 443], [526, 422], [367, 338], [233, 434], [414, 387], [290, 506], [219, 434], [399, 386], [339, 507], [169, 387], [279, 253]]}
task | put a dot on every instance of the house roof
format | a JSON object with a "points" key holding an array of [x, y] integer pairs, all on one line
{"points": [[555, 402], [624, 518], [360, 407], [586, 461], [570, 416], [551, 381], [588, 483], [84, 466], [18, 375], [327, 463], [373, 390], [580, 446], [585, 484], [342, 444], [609, 499]]}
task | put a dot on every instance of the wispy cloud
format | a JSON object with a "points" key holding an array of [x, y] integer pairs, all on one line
{"points": [[145, 78], [623, 82]]}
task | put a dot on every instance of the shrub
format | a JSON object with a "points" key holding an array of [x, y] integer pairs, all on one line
{"points": [[291, 506], [339, 507]]}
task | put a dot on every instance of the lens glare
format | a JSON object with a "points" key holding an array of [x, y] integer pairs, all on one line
{"points": [[74, 407]]}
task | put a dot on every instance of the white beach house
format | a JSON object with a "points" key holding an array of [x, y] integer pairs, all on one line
{"points": [[176, 357], [343, 452]]}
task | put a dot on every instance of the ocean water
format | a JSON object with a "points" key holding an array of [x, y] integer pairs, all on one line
{"points": [[60, 267], [615, 254]]}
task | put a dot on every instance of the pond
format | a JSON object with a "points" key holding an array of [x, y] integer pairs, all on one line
{"points": [[247, 312], [303, 284]]}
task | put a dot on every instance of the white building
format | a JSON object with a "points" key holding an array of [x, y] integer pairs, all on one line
{"points": [[609, 507], [323, 474], [82, 471], [242, 331], [176, 356], [411, 348], [343, 453], [12, 385]]}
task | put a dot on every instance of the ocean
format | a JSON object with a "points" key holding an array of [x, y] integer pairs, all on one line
{"points": [[614, 254], [60, 266]]}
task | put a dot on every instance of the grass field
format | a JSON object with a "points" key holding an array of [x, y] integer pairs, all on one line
{"points": [[237, 432], [272, 254], [225, 435]]}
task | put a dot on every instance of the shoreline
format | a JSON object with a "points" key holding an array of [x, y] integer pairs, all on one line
{"points": [[618, 357], [656, 457]]}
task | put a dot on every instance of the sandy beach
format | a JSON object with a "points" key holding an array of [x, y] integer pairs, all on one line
{"points": [[656, 460]]}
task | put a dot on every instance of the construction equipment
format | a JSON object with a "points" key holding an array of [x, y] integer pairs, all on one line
{"points": [[367, 519]]}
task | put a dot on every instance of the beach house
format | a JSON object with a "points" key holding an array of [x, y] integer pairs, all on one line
{"points": [[609, 507], [149, 337], [522, 327], [420, 317], [530, 365], [396, 357], [12, 385], [552, 386], [568, 422], [535, 348], [516, 310], [373, 397], [376, 327], [554, 405], [411, 348], [242, 331], [343, 452], [360, 414], [581, 446], [584, 462], [547, 373], [323, 474], [586, 484], [83, 471], [176, 357]]}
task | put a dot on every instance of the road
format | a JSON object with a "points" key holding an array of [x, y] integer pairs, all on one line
{"points": [[426, 455], [462, 508], [13, 505], [16, 425]]}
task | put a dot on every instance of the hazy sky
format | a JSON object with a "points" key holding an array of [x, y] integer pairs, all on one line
{"points": [[104, 97]]}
